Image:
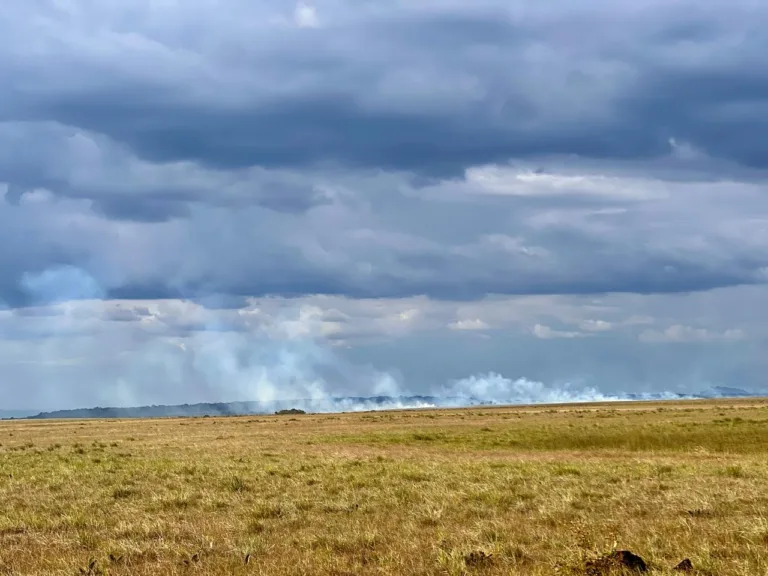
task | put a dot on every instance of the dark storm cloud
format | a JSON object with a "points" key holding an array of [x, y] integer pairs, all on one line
{"points": [[259, 255], [429, 91], [195, 152], [83, 165], [308, 131]]}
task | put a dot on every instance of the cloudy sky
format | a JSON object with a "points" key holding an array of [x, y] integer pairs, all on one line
{"points": [[230, 199]]}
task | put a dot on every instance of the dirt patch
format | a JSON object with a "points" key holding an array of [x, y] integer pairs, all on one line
{"points": [[478, 558], [619, 560]]}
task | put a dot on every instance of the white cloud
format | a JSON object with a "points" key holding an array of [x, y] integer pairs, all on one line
{"points": [[469, 324], [680, 333], [305, 16], [508, 181], [547, 333], [596, 325]]}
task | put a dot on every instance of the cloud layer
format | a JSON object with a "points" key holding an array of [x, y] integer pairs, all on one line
{"points": [[411, 165]]}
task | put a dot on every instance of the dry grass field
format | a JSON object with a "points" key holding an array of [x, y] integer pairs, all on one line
{"points": [[529, 491]]}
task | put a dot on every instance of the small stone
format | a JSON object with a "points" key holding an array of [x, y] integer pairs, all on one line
{"points": [[685, 566]]}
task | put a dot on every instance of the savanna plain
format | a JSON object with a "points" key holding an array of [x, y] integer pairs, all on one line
{"points": [[522, 490]]}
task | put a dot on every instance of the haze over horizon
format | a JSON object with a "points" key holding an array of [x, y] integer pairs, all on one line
{"points": [[214, 201]]}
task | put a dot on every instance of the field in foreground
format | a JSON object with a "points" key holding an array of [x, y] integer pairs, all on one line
{"points": [[529, 491]]}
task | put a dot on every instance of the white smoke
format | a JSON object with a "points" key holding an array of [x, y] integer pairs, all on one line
{"points": [[497, 389], [248, 367]]}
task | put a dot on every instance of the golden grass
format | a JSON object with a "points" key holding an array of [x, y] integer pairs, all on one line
{"points": [[528, 491]]}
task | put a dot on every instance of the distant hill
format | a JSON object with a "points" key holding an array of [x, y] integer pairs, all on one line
{"points": [[345, 404]]}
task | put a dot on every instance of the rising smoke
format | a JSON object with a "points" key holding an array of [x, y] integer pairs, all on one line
{"points": [[497, 389]]}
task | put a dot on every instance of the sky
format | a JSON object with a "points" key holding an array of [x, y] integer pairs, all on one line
{"points": [[217, 200]]}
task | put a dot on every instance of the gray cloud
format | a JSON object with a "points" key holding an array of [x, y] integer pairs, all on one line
{"points": [[503, 229], [389, 152], [431, 89]]}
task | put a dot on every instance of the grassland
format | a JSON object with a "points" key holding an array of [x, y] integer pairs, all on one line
{"points": [[529, 491]]}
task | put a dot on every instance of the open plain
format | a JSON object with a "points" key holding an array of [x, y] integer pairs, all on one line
{"points": [[513, 490]]}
